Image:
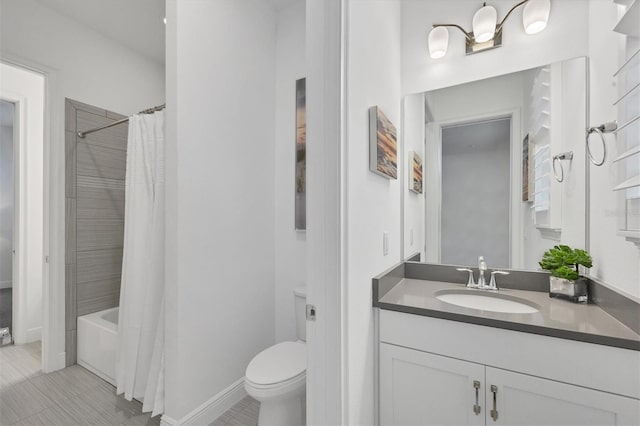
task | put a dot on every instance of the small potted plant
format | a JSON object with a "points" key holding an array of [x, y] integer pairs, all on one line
{"points": [[564, 264]]}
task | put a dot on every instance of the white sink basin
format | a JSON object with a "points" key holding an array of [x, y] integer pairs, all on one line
{"points": [[486, 301]]}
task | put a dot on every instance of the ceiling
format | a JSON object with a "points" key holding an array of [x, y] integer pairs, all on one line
{"points": [[136, 24]]}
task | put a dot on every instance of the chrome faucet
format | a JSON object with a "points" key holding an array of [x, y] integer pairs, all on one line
{"points": [[482, 282]]}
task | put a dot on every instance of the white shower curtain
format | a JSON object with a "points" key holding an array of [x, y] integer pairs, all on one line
{"points": [[140, 358]]}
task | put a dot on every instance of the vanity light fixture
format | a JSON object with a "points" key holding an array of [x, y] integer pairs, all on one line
{"points": [[487, 32]]}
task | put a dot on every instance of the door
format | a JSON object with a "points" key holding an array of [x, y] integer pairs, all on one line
{"points": [[519, 399], [419, 388]]}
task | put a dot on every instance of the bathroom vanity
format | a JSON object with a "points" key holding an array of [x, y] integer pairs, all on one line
{"points": [[495, 152], [444, 364]]}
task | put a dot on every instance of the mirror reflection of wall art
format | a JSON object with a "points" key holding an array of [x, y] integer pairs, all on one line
{"points": [[527, 170], [383, 145], [415, 175], [301, 156]]}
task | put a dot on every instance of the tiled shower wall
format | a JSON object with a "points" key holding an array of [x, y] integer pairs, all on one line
{"points": [[94, 218]]}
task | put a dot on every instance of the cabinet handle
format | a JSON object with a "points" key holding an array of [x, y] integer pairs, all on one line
{"points": [[494, 412], [476, 407]]}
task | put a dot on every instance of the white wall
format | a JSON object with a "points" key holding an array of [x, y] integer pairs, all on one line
{"points": [[220, 195], [373, 200], [27, 90], [6, 197], [565, 37], [83, 65], [616, 261], [290, 245]]}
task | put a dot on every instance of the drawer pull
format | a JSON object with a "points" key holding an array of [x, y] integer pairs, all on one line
{"points": [[476, 407], [494, 412]]}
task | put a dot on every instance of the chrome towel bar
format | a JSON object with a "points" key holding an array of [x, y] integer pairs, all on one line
{"points": [[600, 131], [557, 158]]}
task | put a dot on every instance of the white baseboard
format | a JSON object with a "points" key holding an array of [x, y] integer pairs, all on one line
{"points": [[6, 284], [210, 410], [34, 334]]}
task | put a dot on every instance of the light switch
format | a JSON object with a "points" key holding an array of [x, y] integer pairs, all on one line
{"points": [[385, 243], [411, 237]]}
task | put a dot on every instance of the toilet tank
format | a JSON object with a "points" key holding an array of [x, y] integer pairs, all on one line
{"points": [[300, 300]]}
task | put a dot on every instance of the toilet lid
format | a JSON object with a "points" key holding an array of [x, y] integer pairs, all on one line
{"points": [[278, 363]]}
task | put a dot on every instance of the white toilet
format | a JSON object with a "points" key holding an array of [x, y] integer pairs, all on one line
{"points": [[277, 376]]}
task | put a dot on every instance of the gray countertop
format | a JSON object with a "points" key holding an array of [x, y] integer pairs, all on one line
{"points": [[556, 317]]}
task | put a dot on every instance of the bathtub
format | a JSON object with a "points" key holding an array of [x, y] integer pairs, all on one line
{"points": [[97, 343]]}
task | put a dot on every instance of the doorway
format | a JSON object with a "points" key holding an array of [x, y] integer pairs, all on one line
{"points": [[476, 194], [22, 103], [7, 114]]}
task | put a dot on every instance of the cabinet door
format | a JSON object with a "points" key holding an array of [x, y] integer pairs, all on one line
{"points": [[526, 400], [419, 388]]}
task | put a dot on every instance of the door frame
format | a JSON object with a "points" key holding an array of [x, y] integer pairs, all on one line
{"points": [[53, 273], [433, 185], [326, 23]]}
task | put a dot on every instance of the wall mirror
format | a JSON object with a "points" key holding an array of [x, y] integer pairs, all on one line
{"points": [[497, 168]]}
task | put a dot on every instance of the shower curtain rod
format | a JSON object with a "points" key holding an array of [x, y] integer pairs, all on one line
{"points": [[124, 120]]}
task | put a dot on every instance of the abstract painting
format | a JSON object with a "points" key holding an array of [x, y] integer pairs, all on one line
{"points": [[301, 156], [383, 145], [415, 174]]}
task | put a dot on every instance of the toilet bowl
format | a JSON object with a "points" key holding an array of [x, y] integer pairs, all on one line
{"points": [[277, 376]]}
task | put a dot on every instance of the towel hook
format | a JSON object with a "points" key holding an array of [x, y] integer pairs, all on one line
{"points": [[557, 158], [600, 130]]}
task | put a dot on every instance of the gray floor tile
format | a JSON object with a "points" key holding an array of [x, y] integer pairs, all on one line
{"points": [[82, 413], [25, 399], [52, 416], [72, 396], [9, 375], [25, 359], [7, 415], [55, 386]]}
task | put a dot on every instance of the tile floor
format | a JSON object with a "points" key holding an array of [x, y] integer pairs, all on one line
{"points": [[69, 397], [74, 396]]}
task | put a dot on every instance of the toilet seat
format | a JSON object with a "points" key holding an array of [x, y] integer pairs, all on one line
{"points": [[278, 365]]}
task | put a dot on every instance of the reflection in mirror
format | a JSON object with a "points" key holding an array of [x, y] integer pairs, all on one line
{"points": [[491, 185]]}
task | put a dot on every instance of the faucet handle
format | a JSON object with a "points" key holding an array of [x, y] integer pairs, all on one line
{"points": [[492, 284], [470, 282]]}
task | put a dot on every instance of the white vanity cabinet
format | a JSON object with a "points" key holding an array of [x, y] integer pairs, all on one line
{"points": [[430, 371], [521, 399], [419, 388]]}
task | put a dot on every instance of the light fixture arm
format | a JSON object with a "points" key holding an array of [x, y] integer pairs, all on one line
{"points": [[466, 34], [499, 27]]}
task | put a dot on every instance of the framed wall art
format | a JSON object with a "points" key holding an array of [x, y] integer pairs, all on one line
{"points": [[383, 144]]}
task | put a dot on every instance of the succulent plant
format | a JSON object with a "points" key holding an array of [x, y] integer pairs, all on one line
{"points": [[564, 262]]}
